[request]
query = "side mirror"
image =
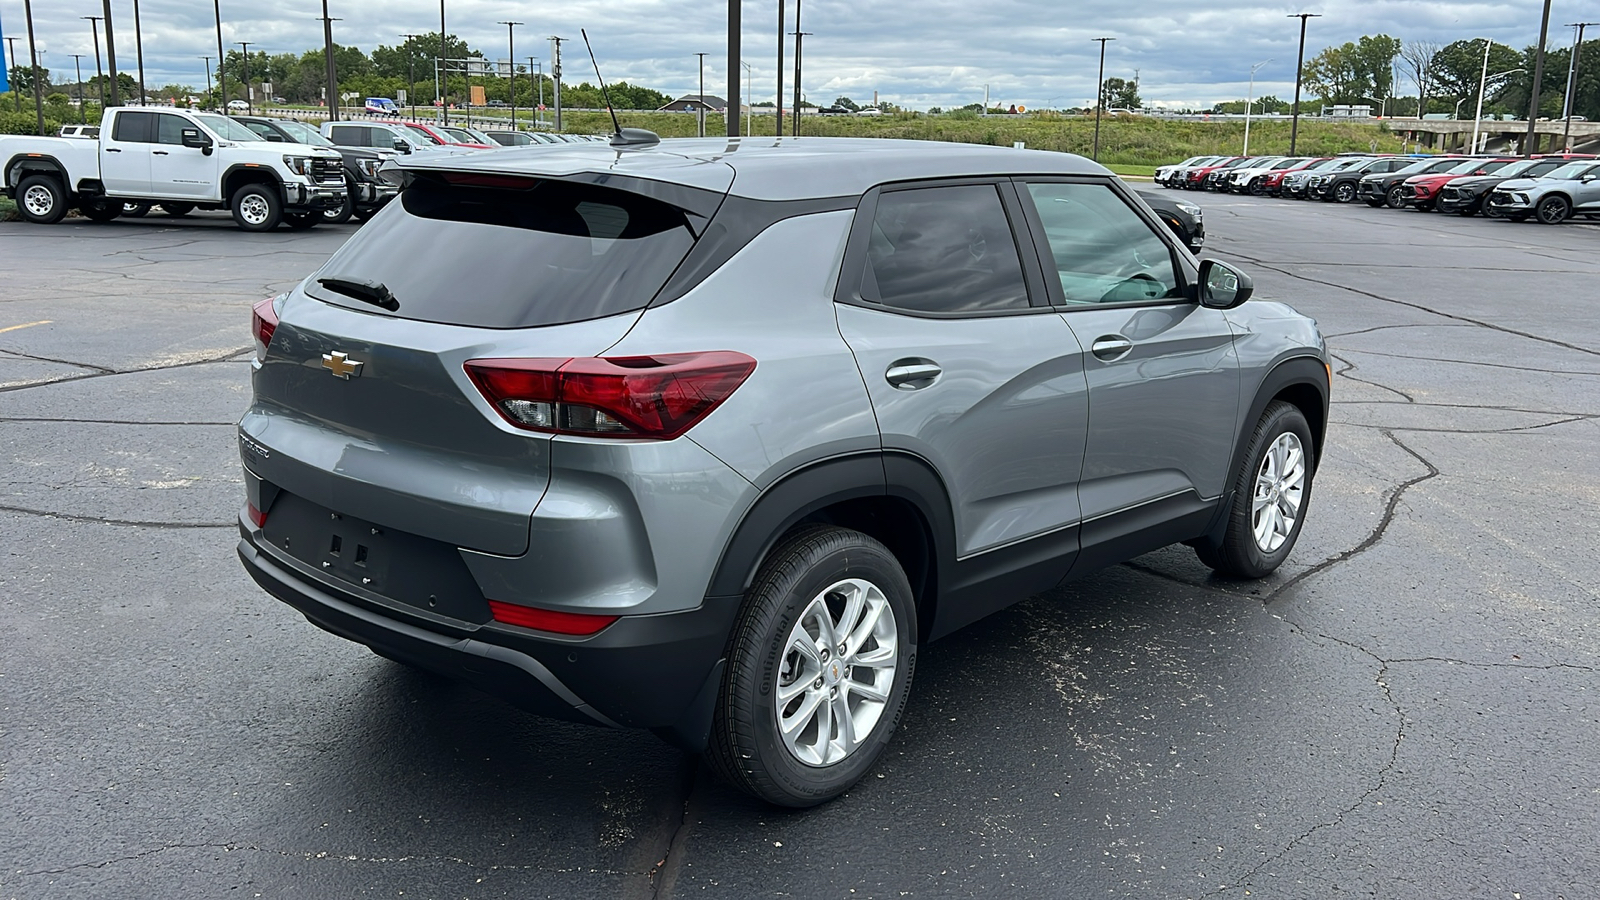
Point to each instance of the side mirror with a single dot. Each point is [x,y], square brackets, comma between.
[193,139]
[402,146]
[277,139]
[1222,286]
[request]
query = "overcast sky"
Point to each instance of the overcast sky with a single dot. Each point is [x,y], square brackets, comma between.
[918,53]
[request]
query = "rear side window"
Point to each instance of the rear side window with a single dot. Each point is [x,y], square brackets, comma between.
[943,250]
[502,252]
[348,135]
[134,127]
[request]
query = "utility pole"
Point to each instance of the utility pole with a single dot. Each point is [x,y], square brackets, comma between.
[99,73]
[1249,99]
[332,67]
[1572,82]
[734,62]
[749,108]
[440,87]
[702,94]
[249,92]
[1099,94]
[77,63]
[1299,71]
[1483,83]
[11,58]
[208,74]
[222,75]
[33,57]
[138,47]
[799,96]
[538,113]
[511,60]
[111,55]
[411,72]
[1538,76]
[555,75]
[778,100]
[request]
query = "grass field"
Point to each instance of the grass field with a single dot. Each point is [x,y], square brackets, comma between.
[1133,143]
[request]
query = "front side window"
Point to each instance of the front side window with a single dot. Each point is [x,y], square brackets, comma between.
[227,128]
[943,250]
[169,129]
[1104,251]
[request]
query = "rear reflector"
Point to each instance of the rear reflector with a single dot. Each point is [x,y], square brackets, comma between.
[263,322]
[257,517]
[658,397]
[548,619]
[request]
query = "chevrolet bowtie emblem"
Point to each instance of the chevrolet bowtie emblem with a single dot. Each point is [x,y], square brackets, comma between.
[341,365]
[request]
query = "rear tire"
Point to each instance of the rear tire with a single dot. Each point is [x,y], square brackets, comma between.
[177,210]
[819,667]
[256,207]
[41,200]
[300,221]
[135,210]
[100,210]
[1271,494]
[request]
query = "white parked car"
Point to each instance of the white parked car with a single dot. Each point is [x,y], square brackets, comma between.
[237,105]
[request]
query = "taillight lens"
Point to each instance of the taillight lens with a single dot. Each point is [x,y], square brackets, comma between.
[257,517]
[263,322]
[656,397]
[555,621]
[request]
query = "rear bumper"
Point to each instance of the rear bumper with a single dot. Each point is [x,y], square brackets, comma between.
[654,671]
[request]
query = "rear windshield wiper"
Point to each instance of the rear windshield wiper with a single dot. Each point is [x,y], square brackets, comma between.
[373,292]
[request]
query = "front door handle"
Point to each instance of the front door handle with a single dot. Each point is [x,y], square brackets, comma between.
[158,153]
[113,149]
[1111,346]
[912,374]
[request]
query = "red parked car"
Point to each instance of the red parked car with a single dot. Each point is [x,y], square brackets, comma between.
[1421,192]
[1273,182]
[443,136]
[1195,179]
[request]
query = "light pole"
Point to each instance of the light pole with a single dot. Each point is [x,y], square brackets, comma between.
[749,109]
[222,76]
[734,62]
[33,57]
[99,73]
[1250,98]
[799,95]
[1483,80]
[411,72]
[511,60]
[1532,140]
[12,58]
[555,76]
[538,115]
[1299,70]
[702,94]
[331,68]
[441,81]
[1456,116]
[249,91]
[208,75]
[1572,82]
[778,123]
[111,55]
[138,48]
[1481,86]
[77,63]
[1099,94]
[1383,105]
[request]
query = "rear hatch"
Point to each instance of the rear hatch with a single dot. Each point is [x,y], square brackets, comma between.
[477,267]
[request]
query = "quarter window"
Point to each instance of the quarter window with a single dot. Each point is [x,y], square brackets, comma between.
[1103,251]
[943,250]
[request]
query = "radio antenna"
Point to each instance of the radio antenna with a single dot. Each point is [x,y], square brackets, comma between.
[623,137]
[601,78]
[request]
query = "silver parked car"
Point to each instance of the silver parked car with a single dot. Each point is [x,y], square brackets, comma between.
[1573,189]
[723,432]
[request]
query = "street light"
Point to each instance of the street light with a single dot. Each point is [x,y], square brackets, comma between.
[330,68]
[249,91]
[411,73]
[222,75]
[1248,101]
[1383,105]
[702,94]
[1299,71]
[208,75]
[511,48]
[77,64]
[799,95]
[1099,94]
[99,73]
[12,58]
[1572,81]
[749,109]
[138,47]
[111,55]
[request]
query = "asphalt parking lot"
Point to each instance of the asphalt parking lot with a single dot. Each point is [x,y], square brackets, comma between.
[1408,709]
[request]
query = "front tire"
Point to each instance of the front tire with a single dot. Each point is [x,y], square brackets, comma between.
[41,200]
[257,207]
[1344,193]
[1271,493]
[100,210]
[819,668]
[1553,210]
[1395,199]
[177,210]
[342,214]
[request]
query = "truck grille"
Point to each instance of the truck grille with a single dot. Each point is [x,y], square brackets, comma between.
[327,171]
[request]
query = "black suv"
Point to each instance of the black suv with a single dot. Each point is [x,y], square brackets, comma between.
[1340,186]
[366,194]
[1382,186]
[1467,196]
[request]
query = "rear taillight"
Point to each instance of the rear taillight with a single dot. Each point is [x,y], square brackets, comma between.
[656,397]
[263,322]
[555,621]
[257,517]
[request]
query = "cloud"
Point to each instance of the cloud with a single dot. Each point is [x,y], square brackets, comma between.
[914,52]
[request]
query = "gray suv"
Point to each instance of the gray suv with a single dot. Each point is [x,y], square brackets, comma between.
[719,432]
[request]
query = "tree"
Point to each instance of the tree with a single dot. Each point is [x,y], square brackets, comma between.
[1118,93]
[1418,56]
[1333,74]
[1374,63]
[846,103]
[1455,71]
[22,78]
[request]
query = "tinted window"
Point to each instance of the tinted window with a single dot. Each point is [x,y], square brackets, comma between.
[348,135]
[264,130]
[1104,252]
[945,249]
[135,127]
[169,129]
[515,253]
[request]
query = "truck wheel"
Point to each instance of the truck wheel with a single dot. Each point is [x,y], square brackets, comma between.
[41,200]
[135,210]
[300,221]
[256,207]
[818,669]
[177,210]
[362,215]
[342,213]
[1271,493]
[101,210]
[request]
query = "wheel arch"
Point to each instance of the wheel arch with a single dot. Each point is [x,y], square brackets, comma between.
[21,165]
[238,175]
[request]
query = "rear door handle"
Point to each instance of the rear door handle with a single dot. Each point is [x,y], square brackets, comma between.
[912,374]
[1111,346]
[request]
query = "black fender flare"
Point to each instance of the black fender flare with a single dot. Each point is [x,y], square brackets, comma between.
[35,162]
[253,175]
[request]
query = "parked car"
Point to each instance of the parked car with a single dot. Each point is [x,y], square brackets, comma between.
[1467,196]
[1341,185]
[1216,179]
[395,136]
[1253,179]
[1573,189]
[1421,192]
[521,138]
[447,137]
[1166,175]
[1379,187]
[178,159]
[1194,178]
[237,106]
[1184,218]
[596,490]
[1295,184]
[365,191]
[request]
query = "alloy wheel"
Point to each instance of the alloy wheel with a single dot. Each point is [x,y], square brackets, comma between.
[1279,490]
[839,666]
[1554,210]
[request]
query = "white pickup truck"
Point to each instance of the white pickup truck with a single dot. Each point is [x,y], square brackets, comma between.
[178,159]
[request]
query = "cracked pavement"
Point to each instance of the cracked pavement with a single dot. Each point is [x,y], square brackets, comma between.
[1408,708]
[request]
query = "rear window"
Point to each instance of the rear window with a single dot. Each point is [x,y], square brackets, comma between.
[500,252]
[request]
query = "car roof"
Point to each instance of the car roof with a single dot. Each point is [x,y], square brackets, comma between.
[774,168]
